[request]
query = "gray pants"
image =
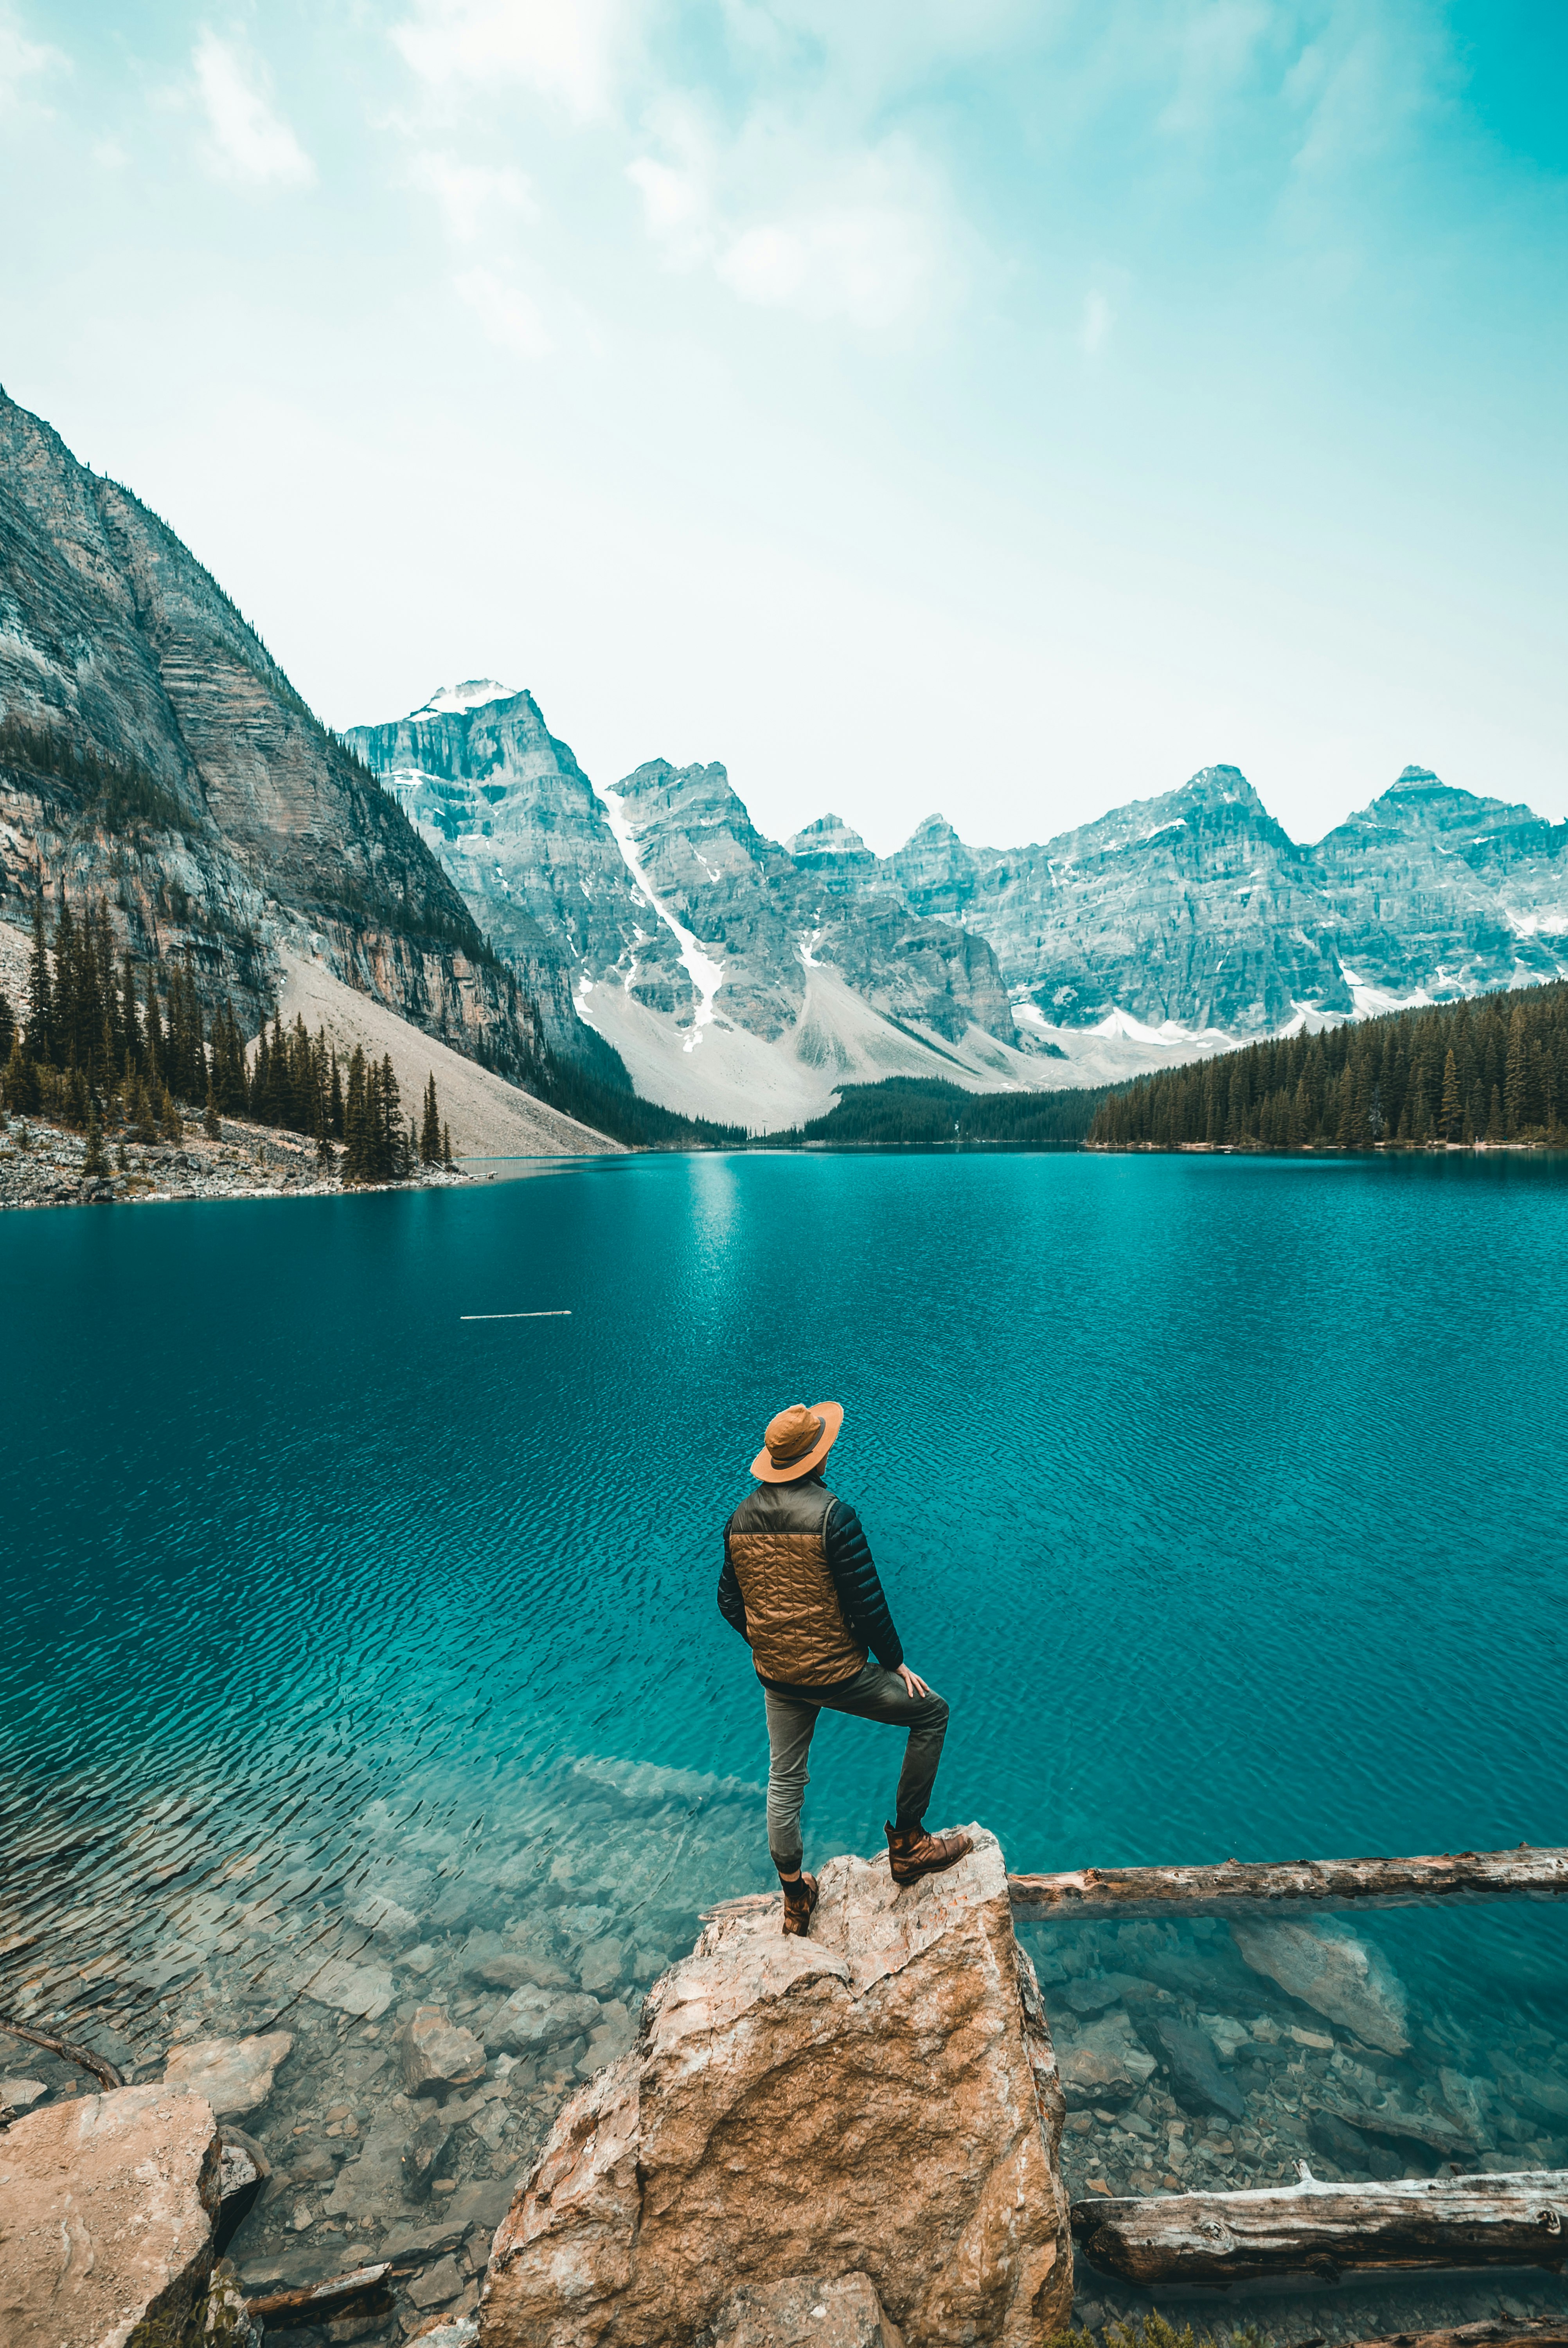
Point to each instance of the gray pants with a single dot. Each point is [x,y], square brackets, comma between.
[872,1694]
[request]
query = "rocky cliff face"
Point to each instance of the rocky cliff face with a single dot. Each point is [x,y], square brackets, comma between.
[151,750]
[729,973]
[1198,908]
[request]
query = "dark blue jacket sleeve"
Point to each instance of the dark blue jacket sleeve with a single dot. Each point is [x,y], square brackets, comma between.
[859,1591]
[731,1605]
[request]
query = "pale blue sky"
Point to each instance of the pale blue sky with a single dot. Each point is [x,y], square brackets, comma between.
[994,408]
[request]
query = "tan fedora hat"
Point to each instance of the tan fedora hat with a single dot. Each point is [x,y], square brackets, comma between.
[796,1441]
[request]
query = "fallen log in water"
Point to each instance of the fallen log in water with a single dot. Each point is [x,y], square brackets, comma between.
[1530,2332]
[1090,1893]
[363,2293]
[1328,2231]
[102,2069]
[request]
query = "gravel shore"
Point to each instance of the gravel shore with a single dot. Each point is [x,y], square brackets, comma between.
[41,1166]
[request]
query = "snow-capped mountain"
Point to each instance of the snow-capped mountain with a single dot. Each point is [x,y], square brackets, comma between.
[731,981]
[743,978]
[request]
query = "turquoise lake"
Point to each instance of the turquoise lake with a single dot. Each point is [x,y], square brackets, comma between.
[1223,1498]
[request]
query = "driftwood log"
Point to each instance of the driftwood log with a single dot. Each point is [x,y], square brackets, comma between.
[1328,2231]
[1092,1894]
[103,2071]
[1530,2332]
[364,2292]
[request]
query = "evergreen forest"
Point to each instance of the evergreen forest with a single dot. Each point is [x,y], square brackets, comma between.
[915,1112]
[111,1045]
[1491,1069]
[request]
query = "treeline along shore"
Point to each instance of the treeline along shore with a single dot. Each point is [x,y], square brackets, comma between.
[125,1051]
[1488,1072]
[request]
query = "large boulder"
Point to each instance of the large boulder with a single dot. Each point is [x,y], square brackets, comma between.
[437,2055]
[878,2098]
[107,2205]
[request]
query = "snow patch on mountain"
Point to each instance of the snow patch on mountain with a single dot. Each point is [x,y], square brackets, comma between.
[453,700]
[706,975]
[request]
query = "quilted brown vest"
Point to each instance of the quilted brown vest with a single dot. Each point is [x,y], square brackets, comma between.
[794,1619]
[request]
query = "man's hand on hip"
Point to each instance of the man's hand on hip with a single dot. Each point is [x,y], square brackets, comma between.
[914,1684]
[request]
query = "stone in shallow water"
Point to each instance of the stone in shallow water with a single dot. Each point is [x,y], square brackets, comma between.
[437,2285]
[437,2055]
[107,2211]
[425,2157]
[235,2075]
[1195,2075]
[880,2095]
[1104,2065]
[805,2311]
[21,2094]
[533,2018]
[1332,1970]
[364,1990]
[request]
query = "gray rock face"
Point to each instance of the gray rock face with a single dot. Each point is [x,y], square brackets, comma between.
[605,883]
[1197,907]
[240,823]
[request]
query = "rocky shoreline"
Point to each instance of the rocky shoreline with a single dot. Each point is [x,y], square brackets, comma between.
[43,1165]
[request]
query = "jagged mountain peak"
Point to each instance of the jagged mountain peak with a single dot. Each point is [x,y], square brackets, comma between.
[828,835]
[457,700]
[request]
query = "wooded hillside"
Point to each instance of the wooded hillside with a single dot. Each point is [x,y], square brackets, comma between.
[1491,1069]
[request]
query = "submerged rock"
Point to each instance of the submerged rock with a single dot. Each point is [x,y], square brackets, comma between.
[1105,2065]
[425,2157]
[879,2097]
[805,2311]
[235,2075]
[532,2019]
[437,2055]
[1195,2074]
[107,2205]
[1330,1969]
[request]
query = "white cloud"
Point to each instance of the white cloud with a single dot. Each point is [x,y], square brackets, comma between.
[468,192]
[1098,319]
[507,316]
[21,59]
[787,220]
[569,50]
[247,142]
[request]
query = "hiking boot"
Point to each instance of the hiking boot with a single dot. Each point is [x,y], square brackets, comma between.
[800,1904]
[912,1853]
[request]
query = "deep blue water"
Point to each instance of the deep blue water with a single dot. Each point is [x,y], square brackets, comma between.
[1223,1498]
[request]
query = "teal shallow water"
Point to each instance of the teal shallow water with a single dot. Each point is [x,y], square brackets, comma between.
[1224,1498]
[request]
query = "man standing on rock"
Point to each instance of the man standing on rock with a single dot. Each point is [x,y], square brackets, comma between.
[800,1587]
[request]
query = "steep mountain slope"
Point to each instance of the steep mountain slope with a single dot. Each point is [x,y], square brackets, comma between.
[729,981]
[1193,916]
[1194,907]
[152,749]
[1439,893]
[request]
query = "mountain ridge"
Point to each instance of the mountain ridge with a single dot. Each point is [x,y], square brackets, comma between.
[1174,926]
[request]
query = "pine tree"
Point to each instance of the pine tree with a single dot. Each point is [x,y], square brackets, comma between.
[40,995]
[1495,1128]
[334,1102]
[21,1080]
[1514,1079]
[1451,1116]
[430,1133]
[446,1157]
[7,1027]
[142,1125]
[169,1126]
[357,1111]
[94,1164]
[210,1125]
